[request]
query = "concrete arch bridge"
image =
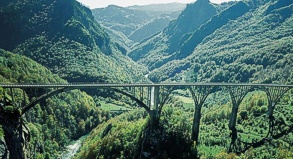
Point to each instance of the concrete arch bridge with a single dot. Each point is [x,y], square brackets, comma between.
[152,97]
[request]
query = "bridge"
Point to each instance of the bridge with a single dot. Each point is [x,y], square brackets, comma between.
[99,85]
[152,97]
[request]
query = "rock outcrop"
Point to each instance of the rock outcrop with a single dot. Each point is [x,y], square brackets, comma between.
[4,153]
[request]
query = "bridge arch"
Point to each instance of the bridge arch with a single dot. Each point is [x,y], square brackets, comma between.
[273,94]
[65,89]
[199,92]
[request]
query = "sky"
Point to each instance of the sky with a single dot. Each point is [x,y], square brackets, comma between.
[124,3]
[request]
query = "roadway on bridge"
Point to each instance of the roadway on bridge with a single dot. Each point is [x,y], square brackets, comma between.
[99,85]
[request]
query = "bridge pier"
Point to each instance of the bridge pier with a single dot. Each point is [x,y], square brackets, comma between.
[24,101]
[12,95]
[274,95]
[149,97]
[237,94]
[154,115]
[199,95]
[141,93]
[156,99]
[160,95]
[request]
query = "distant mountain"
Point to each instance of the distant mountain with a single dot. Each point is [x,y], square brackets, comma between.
[133,24]
[160,8]
[63,36]
[165,44]
[248,41]
[145,31]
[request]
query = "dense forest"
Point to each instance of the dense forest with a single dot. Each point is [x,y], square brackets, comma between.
[240,47]
[58,120]
[62,41]
[64,37]
[56,42]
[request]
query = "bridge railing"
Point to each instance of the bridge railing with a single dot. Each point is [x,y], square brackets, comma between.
[92,84]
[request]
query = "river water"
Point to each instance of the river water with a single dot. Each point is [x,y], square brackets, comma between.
[72,148]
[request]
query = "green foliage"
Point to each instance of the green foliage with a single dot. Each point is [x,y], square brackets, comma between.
[63,36]
[213,24]
[171,38]
[1,132]
[116,138]
[174,133]
[129,136]
[251,47]
[245,42]
[56,121]
[252,126]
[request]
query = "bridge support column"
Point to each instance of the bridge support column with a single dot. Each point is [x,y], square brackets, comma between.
[24,101]
[237,94]
[199,95]
[155,99]
[160,96]
[274,95]
[12,95]
[149,96]
[141,93]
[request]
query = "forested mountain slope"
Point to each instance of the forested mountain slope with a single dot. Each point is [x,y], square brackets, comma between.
[66,44]
[250,41]
[55,122]
[132,24]
[164,46]
[63,36]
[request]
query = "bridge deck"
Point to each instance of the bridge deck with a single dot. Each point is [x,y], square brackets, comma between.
[99,85]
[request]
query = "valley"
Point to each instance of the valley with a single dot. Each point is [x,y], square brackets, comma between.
[231,62]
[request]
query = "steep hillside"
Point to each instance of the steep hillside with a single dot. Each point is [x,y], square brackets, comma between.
[63,36]
[121,19]
[133,24]
[255,47]
[242,42]
[163,47]
[55,122]
[149,29]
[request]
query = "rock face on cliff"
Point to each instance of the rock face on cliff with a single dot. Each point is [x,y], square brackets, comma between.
[4,153]
[15,139]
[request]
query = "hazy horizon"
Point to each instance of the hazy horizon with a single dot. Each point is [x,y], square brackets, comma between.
[101,3]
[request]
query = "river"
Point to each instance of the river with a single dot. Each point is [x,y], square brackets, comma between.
[72,148]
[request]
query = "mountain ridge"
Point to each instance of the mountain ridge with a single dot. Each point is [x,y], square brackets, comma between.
[191,18]
[64,37]
[244,39]
[128,24]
